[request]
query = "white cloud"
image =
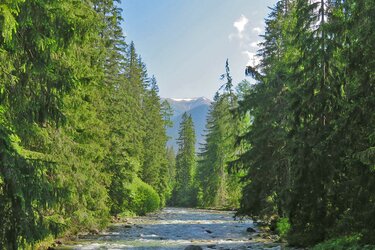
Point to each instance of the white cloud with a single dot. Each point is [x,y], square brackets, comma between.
[253,58]
[255,44]
[257,30]
[240,24]
[247,34]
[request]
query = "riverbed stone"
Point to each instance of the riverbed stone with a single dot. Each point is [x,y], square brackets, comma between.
[94,231]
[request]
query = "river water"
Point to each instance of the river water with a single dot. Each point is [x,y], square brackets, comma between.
[177,228]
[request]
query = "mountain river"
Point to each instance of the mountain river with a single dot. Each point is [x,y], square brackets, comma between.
[178,228]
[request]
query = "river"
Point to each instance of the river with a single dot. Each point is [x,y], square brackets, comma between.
[177,228]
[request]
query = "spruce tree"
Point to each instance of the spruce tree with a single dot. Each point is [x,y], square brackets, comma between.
[171,173]
[184,193]
[219,187]
[44,48]
[315,104]
[355,191]
[299,164]
[264,158]
[154,167]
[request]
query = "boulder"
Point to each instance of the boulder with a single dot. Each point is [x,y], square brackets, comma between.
[251,230]
[58,242]
[94,232]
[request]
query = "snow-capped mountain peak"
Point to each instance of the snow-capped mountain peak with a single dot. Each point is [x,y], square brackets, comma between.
[182,100]
[189,99]
[197,107]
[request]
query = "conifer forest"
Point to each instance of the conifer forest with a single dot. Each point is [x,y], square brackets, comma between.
[83,139]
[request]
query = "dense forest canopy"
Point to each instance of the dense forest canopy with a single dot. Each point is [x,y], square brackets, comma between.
[82,126]
[310,161]
[83,129]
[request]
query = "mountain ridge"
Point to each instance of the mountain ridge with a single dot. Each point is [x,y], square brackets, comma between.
[198,108]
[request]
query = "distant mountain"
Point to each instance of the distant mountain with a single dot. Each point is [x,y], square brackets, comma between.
[197,108]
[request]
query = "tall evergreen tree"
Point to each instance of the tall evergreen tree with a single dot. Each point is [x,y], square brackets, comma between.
[265,160]
[184,191]
[355,178]
[171,173]
[71,106]
[315,99]
[47,42]
[123,90]
[154,167]
[299,164]
[219,188]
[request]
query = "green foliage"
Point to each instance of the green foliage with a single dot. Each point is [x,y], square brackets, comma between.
[283,227]
[8,13]
[27,192]
[154,168]
[219,188]
[72,121]
[82,129]
[309,155]
[144,199]
[343,243]
[171,173]
[185,192]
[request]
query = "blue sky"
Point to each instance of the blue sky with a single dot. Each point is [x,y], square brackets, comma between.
[185,43]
